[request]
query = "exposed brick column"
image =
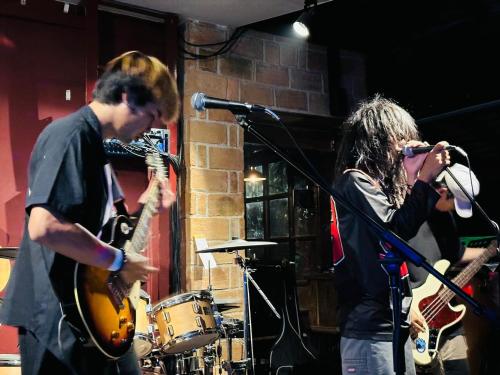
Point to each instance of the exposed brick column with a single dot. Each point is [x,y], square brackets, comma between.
[281,73]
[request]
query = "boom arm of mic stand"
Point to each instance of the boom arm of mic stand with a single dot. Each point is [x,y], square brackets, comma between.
[401,246]
[262,294]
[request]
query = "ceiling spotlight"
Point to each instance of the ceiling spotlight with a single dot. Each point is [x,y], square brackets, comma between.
[303,22]
[253,175]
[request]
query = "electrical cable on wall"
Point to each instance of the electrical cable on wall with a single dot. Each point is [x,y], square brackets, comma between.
[226,46]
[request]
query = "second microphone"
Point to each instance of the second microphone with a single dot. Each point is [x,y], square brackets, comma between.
[201,102]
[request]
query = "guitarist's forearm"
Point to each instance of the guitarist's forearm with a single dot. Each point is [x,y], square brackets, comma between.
[471,253]
[68,239]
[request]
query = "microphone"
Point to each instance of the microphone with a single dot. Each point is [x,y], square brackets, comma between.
[200,102]
[412,151]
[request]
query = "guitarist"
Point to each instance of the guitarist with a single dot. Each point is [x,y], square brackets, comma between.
[68,200]
[438,239]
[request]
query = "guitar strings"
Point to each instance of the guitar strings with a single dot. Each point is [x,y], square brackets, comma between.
[445,294]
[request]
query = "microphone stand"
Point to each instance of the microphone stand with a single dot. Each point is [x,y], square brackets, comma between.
[401,247]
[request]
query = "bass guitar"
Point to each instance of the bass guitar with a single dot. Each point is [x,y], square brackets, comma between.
[432,299]
[105,303]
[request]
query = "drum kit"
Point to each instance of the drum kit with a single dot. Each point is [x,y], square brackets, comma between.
[188,328]
[189,332]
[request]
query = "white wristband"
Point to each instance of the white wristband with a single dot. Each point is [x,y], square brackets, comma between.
[117,262]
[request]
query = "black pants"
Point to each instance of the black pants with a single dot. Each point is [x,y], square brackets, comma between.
[37,359]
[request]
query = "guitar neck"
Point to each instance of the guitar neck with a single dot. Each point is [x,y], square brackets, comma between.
[467,273]
[140,236]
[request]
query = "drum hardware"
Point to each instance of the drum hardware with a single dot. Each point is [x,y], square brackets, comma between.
[237,244]
[232,246]
[247,331]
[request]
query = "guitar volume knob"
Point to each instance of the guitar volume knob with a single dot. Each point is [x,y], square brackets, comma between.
[130,326]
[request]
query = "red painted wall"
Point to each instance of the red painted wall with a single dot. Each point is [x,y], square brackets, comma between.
[43,53]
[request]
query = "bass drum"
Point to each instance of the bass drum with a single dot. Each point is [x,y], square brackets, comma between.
[230,357]
[185,322]
[10,364]
[143,338]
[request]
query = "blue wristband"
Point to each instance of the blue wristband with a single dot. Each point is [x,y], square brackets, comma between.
[118,262]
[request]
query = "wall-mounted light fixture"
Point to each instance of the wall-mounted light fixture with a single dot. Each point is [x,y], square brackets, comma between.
[253,175]
[303,22]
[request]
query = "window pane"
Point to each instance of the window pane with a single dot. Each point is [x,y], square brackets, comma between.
[277,178]
[278,217]
[304,211]
[254,189]
[255,220]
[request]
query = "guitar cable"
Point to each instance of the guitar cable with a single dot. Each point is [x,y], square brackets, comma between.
[59,327]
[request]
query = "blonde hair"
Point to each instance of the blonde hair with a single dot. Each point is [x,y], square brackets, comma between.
[155,75]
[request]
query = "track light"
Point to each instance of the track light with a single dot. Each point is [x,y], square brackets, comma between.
[253,175]
[303,22]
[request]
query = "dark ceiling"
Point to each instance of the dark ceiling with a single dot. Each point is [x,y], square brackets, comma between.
[437,58]
[433,56]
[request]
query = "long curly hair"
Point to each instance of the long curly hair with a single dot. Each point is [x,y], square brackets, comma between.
[368,144]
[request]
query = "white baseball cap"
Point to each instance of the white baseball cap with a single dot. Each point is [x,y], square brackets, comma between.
[463,206]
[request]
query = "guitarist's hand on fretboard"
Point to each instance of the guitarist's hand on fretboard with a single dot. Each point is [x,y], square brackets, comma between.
[167,197]
[137,267]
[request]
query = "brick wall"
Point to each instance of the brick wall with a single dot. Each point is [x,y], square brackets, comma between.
[280,73]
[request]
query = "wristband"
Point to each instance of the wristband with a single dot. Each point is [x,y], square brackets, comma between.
[119,261]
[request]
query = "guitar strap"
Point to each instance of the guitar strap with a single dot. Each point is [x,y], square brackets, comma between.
[109,204]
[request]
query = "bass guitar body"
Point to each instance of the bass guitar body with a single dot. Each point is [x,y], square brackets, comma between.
[441,315]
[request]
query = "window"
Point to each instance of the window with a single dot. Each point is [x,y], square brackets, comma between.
[283,208]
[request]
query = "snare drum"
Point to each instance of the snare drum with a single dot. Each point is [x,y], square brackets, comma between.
[143,338]
[185,322]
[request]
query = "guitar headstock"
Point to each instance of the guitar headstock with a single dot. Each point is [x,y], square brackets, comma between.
[155,161]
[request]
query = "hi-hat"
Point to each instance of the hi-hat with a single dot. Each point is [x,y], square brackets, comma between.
[235,245]
[8,252]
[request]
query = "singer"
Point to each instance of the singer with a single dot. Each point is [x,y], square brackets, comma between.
[373,175]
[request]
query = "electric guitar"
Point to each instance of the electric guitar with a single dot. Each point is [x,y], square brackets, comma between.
[106,304]
[432,299]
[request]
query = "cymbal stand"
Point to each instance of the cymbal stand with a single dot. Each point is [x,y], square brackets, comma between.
[247,330]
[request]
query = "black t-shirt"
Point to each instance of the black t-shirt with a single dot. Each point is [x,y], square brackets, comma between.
[66,176]
[437,239]
[362,284]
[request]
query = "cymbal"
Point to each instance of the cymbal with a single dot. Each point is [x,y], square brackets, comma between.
[235,245]
[8,252]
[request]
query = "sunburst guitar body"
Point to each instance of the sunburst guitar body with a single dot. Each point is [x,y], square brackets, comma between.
[106,305]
